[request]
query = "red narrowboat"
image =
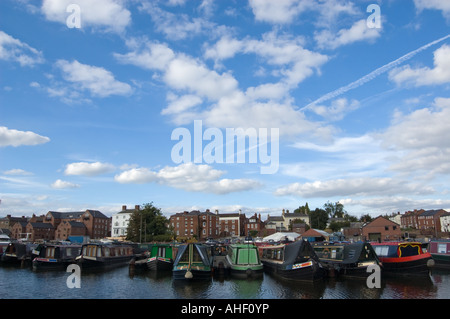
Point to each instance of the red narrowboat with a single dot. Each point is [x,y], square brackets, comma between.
[403,258]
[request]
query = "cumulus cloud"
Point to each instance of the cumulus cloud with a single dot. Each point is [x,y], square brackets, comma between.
[59,184]
[12,49]
[11,137]
[99,81]
[357,32]
[189,177]
[107,15]
[440,74]
[443,6]
[88,169]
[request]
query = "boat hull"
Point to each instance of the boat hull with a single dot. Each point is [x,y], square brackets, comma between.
[93,263]
[309,271]
[441,261]
[249,272]
[414,265]
[191,275]
[49,264]
[159,264]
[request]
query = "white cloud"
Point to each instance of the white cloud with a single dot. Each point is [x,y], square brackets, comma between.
[278,12]
[12,49]
[11,137]
[89,169]
[189,177]
[440,74]
[444,6]
[337,110]
[17,172]
[352,187]
[97,80]
[59,184]
[357,32]
[108,15]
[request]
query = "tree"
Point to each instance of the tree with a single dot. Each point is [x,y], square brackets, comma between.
[334,210]
[303,209]
[318,218]
[146,224]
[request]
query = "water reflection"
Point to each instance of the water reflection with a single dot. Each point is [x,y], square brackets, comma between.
[123,283]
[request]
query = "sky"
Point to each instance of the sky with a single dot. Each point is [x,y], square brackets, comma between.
[124,102]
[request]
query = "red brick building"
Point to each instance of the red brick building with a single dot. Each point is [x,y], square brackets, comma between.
[195,224]
[410,219]
[253,225]
[430,221]
[40,231]
[381,229]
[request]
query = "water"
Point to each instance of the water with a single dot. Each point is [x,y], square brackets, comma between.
[119,283]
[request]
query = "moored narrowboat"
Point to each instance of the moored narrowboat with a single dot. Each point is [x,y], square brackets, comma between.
[295,261]
[4,242]
[347,259]
[440,252]
[160,257]
[244,261]
[104,255]
[403,258]
[18,252]
[193,262]
[55,256]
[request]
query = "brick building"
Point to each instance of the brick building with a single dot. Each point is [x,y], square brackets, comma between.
[254,225]
[96,223]
[40,231]
[410,218]
[195,224]
[430,221]
[381,229]
[232,224]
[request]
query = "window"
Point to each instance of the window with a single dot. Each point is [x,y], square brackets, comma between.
[386,227]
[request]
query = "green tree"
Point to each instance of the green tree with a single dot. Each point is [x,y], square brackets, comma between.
[318,218]
[146,224]
[303,210]
[334,210]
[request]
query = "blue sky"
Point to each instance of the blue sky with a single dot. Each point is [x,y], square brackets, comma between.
[87,114]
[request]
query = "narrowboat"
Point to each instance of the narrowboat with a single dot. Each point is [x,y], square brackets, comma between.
[4,242]
[193,262]
[104,255]
[55,256]
[244,261]
[403,258]
[440,252]
[347,259]
[295,261]
[160,257]
[18,252]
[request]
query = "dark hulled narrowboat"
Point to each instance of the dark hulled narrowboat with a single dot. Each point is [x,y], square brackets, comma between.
[160,257]
[295,261]
[105,255]
[347,259]
[440,252]
[403,258]
[55,256]
[18,252]
[193,262]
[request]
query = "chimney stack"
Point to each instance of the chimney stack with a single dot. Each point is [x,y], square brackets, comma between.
[137,207]
[124,207]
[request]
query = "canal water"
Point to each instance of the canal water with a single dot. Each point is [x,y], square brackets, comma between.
[121,283]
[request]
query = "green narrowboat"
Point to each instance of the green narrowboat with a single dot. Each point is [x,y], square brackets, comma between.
[161,257]
[440,252]
[193,262]
[244,262]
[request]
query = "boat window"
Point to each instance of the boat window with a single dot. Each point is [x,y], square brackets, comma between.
[185,256]
[106,252]
[162,252]
[382,251]
[329,252]
[50,253]
[442,248]
[196,255]
[99,251]
[409,250]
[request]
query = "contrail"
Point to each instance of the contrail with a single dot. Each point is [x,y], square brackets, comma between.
[372,75]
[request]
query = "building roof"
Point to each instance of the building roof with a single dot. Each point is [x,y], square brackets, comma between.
[42,225]
[76,224]
[315,233]
[432,212]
